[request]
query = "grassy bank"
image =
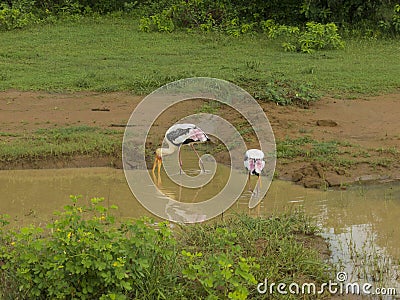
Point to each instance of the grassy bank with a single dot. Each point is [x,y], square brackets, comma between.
[87,253]
[111,54]
[59,143]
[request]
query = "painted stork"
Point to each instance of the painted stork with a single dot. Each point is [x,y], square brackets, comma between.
[176,136]
[254,163]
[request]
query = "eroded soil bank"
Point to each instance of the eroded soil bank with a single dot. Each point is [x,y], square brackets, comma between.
[337,141]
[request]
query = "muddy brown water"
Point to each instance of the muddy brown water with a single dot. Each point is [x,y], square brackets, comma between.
[361,223]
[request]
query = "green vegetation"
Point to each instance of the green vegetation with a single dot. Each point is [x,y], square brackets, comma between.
[86,253]
[60,142]
[307,147]
[111,54]
[124,45]
[231,16]
[98,45]
[281,90]
[315,36]
[334,153]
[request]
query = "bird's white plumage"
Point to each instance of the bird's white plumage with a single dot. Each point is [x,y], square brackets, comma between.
[176,136]
[254,160]
[254,163]
[180,133]
[255,154]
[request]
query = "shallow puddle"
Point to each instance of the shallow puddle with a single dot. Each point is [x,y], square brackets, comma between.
[360,223]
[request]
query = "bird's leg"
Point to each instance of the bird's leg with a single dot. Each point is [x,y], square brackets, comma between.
[180,160]
[248,182]
[201,162]
[157,180]
[258,209]
[154,164]
[258,191]
[159,168]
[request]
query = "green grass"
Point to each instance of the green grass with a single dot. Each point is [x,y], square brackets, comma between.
[209,107]
[61,142]
[111,54]
[308,149]
[333,152]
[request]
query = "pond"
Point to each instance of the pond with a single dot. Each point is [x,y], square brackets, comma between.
[361,223]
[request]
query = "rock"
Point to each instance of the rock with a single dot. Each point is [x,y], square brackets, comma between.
[365,178]
[326,123]
[313,182]
[297,176]
[334,179]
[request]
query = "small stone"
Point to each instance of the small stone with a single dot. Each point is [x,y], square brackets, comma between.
[365,178]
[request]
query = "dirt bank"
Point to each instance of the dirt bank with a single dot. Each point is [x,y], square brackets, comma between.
[365,133]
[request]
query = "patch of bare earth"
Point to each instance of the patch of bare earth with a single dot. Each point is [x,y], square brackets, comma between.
[367,131]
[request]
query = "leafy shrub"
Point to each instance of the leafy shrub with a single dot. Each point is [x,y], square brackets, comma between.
[197,14]
[342,11]
[281,90]
[161,22]
[392,25]
[396,18]
[87,256]
[315,36]
[222,259]
[287,92]
[225,273]
[318,36]
[13,18]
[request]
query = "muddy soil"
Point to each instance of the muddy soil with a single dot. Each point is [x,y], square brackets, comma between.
[368,130]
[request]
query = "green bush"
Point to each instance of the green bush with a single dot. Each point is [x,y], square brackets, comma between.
[196,14]
[161,22]
[343,11]
[85,255]
[318,36]
[315,36]
[13,18]
[281,90]
[224,274]
[392,25]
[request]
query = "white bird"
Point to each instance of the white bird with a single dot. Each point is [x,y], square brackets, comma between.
[254,163]
[176,136]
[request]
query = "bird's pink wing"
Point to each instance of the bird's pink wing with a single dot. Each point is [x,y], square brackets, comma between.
[197,135]
[251,164]
[259,165]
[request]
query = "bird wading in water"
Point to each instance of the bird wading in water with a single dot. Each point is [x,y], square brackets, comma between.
[254,163]
[176,136]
